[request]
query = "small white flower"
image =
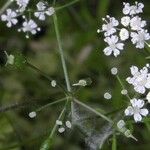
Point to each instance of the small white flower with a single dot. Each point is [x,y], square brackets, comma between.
[126,9]
[148,97]
[32,114]
[107,95]
[133,9]
[114,71]
[137,23]
[124,34]
[30,26]
[42,10]
[10,17]
[109,27]
[136,109]
[68,124]
[22,4]
[140,38]
[10,58]
[114,46]
[140,79]
[125,21]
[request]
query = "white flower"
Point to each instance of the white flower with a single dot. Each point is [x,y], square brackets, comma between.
[30,26]
[133,9]
[136,109]
[140,38]
[109,27]
[42,10]
[137,23]
[10,58]
[124,34]
[22,4]
[126,9]
[80,83]
[114,47]
[10,17]
[53,83]
[140,79]
[125,21]
[148,97]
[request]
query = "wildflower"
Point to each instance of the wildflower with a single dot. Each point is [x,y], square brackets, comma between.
[137,23]
[22,4]
[10,17]
[32,114]
[42,10]
[107,95]
[109,27]
[136,109]
[124,34]
[114,71]
[140,38]
[140,79]
[114,46]
[125,21]
[29,26]
[133,9]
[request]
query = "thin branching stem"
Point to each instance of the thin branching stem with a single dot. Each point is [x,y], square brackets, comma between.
[5,6]
[45,76]
[61,53]
[93,110]
[66,5]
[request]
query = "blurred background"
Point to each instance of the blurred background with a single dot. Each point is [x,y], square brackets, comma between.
[28,90]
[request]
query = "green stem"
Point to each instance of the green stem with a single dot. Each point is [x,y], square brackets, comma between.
[61,53]
[93,110]
[67,5]
[114,142]
[123,87]
[45,76]
[6,5]
[47,144]
[50,104]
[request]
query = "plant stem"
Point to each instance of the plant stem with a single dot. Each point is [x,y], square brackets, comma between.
[66,5]
[47,144]
[50,104]
[93,110]
[123,87]
[61,53]
[45,76]
[114,142]
[5,6]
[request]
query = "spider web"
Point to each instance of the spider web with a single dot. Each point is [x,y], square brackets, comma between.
[95,128]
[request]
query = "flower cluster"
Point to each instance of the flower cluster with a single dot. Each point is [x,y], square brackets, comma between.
[140,79]
[133,27]
[28,25]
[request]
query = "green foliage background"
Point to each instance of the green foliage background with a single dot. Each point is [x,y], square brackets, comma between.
[84,56]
